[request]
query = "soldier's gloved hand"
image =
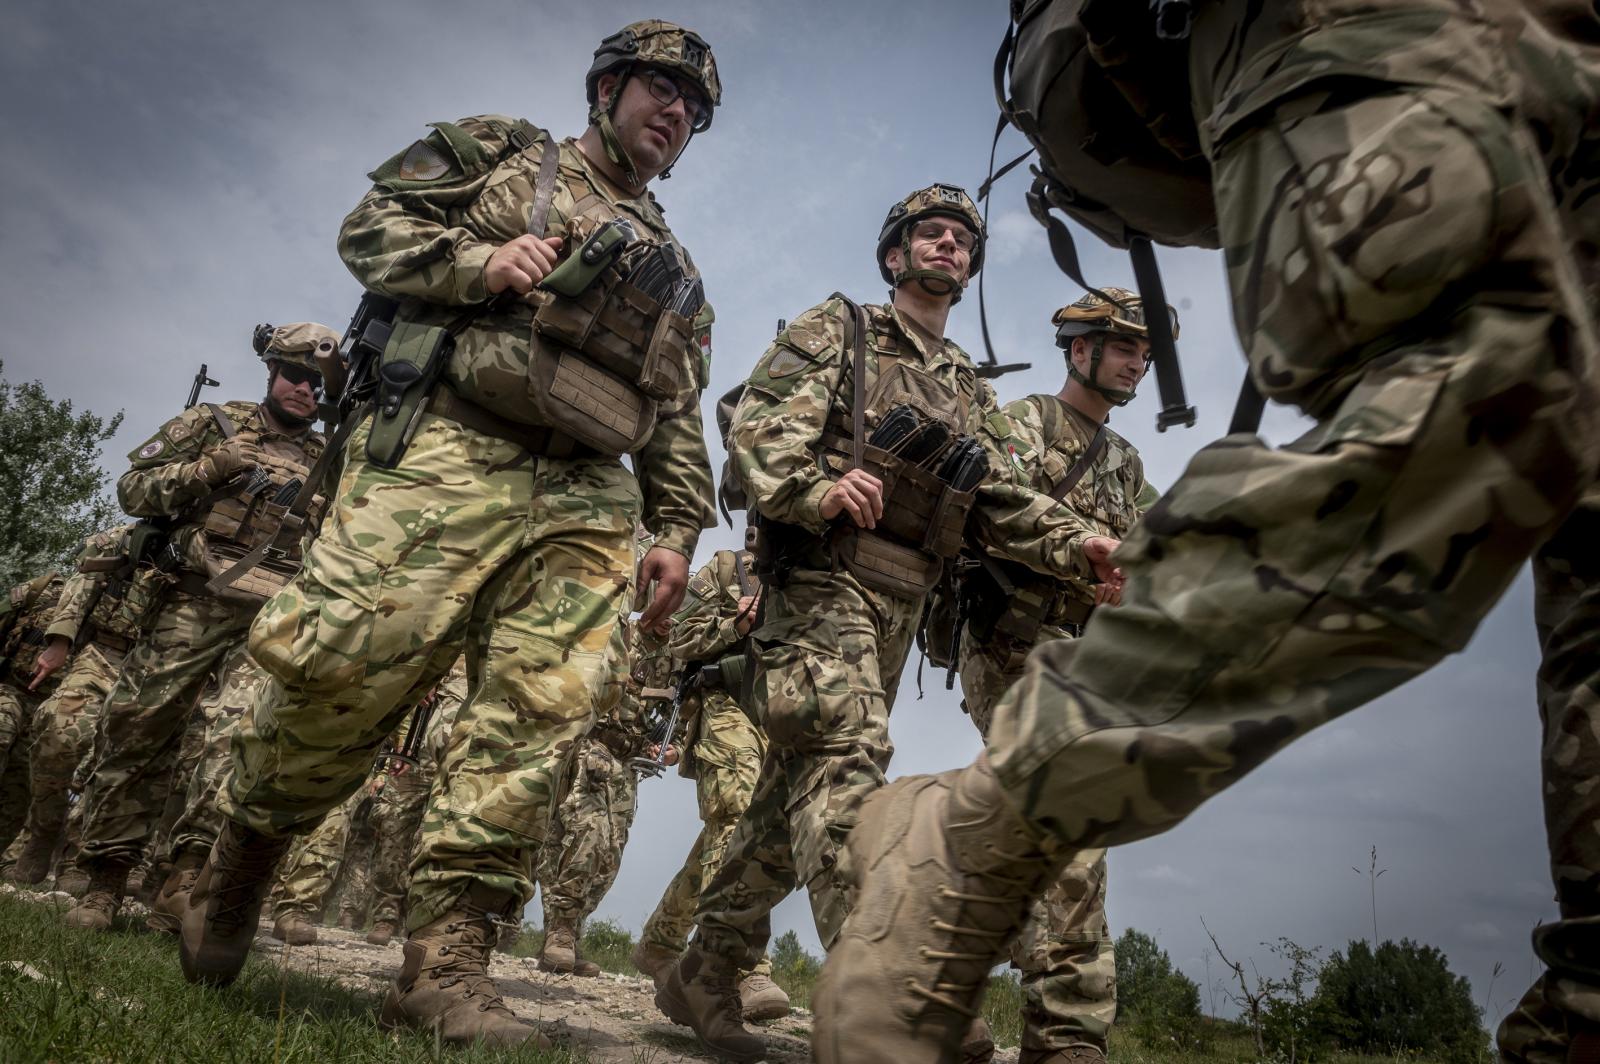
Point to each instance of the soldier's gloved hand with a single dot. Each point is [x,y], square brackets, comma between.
[228,458]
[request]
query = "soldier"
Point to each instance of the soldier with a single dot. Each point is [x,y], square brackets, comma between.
[723,750]
[222,478]
[1412,248]
[499,518]
[845,400]
[102,609]
[395,818]
[589,827]
[26,616]
[1064,447]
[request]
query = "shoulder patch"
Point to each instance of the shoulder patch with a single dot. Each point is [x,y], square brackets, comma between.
[785,362]
[422,163]
[151,449]
[179,431]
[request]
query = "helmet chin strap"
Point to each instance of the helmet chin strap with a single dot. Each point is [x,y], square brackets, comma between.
[601,117]
[933,282]
[1116,396]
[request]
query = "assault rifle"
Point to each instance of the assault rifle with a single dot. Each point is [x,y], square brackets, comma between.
[655,766]
[409,752]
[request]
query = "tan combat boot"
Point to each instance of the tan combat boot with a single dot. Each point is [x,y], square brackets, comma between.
[444,985]
[100,901]
[349,920]
[654,961]
[219,926]
[560,950]
[977,1046]
[292,928]
[586,969]
[72,880]
[701,992]
[382,931]
[947,870]
[33,864]
[172,900]
[762,999]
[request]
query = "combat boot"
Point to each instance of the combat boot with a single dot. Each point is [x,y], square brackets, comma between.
[762,999]
[72,880]
[947,870]
[654,961]
[219,926]
[100,902]
[33,864]
[1070,1055]
[701,991]
[382,931]
[293,929]
[444,985]
[349,920]
[560,950]
[586,969]
[977,1047]
[172,900]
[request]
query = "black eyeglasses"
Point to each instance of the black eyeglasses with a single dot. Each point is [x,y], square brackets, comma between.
[665,88]
[298,375]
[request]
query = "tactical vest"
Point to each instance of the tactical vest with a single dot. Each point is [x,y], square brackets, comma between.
[29,608]
[599,364]
[127,599]
[923,517]
[250,513]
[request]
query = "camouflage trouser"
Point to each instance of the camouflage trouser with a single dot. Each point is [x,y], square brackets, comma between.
[146,714]
[727,753]
[583,851]
[190,749]
[17,708]
[1402,264]
[307,874]
[196,829]
[828,661]
[62,733]
[525,561]
[396,818]
[351,894]
[1065,955]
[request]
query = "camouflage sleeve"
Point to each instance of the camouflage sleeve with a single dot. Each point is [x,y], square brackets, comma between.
[73,609]
[403,238]
[674,472]
[1014,520]
[165,474]
[781,416]
[1147,494]
[703,627]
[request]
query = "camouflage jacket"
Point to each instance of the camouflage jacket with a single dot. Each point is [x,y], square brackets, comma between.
[704,628]
[105,602]
[1040,439]
[779,424]
[165,481]
[27,611]
[424,234]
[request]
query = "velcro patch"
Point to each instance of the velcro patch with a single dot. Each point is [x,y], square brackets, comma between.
[151,449]
[422,163]
[784,363]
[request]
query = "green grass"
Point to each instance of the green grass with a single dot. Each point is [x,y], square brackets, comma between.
[119,996]
[604,941]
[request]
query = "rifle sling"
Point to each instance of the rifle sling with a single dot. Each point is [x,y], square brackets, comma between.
[1091,454]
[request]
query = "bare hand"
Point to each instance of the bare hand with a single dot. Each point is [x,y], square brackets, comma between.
[663,576]
[51,658]
[857,493]
[1097,550]
[1107,595]
[745,618]
[520,264]
[671,757]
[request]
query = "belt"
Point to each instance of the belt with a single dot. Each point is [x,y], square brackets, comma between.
[112,643]
[535,439]
[1070,613]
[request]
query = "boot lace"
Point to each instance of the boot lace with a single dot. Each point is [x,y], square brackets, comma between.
[986,945]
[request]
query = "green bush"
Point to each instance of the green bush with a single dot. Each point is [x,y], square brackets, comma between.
[1403,999]
[794,969]
[1156,1000]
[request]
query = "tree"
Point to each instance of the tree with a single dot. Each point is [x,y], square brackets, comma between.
[1158,1001]
[1402,999]
[52,489]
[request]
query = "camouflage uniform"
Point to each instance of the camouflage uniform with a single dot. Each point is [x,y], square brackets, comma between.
[589,828]
[100,614]
[1405,195]
[309,871]
[481,540]
[28,609]
[1065,952]
[147,712]
[829,651]
[395,818]
[723,747]
[239,680]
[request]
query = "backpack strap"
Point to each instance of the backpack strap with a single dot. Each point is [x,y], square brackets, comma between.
[855,339]
[225,423]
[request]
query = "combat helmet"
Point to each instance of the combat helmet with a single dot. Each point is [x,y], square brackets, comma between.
[299,343]
[1100,313]
[652,42]
[950,201]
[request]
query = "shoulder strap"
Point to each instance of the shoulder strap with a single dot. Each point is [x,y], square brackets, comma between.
[1091,454]
[225,423]
[746,587]
[855,338]
[544,188]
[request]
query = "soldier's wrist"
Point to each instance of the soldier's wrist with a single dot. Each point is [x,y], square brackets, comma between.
[470,285]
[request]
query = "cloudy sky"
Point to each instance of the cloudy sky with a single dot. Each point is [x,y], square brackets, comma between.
[176,172]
